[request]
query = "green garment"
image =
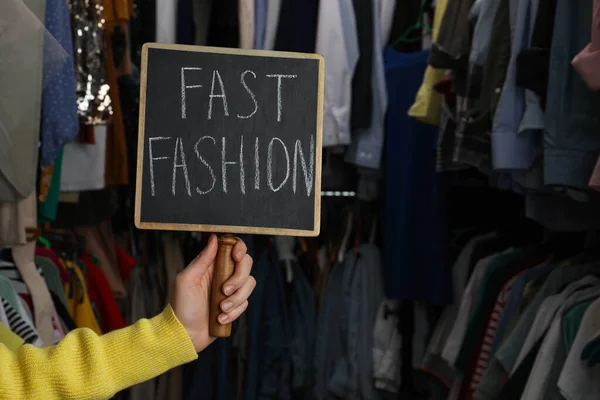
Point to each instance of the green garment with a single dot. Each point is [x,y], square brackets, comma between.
[47,209]
[570,323]
[52,277]
[7,291]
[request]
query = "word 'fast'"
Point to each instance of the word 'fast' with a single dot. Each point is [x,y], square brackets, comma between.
[219,93]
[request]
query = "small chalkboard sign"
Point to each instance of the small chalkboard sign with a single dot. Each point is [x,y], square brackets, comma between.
[229,140]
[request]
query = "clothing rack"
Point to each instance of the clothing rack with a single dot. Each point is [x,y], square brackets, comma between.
[337,193]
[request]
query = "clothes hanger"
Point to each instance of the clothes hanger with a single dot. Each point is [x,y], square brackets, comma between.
[417,27]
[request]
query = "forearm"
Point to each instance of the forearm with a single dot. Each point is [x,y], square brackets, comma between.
[87,366]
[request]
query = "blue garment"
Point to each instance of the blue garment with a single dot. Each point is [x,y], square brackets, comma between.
[60,123]
[260,23]
[297,27]
[269,372]
[331,335]
[260,272]
[571,140]
[364,295]
[482,32]
[366,149]
[303,319]
[344,347]
[209,376]
[275,360]
[206,377]
[413,265]
[512,149]
[186,29]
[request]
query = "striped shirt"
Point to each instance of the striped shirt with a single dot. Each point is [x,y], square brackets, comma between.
[485,354]
[19,325]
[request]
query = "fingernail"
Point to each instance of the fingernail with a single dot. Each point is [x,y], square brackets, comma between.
[229,289]
[223,318]
[227,306]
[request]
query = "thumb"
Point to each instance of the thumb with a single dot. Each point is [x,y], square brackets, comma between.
[205,259]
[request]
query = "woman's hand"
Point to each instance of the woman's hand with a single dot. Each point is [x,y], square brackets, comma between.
[190,295]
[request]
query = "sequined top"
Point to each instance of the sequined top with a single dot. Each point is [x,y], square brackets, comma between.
[93,101]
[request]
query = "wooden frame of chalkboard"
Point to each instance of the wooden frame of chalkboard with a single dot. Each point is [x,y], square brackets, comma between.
[230,228]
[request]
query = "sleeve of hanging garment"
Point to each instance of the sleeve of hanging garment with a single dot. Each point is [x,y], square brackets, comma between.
[87,366]
[337,41]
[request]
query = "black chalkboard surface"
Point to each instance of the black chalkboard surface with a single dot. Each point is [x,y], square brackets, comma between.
[229,140]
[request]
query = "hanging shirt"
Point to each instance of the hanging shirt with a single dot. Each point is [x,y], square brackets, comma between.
[549,308]
[587,62]
[18,324]
[387,18]
[166,21]
[60,123]
[367,145]
[21,88]
[362,85]
[512,149]
[571,142]
[83,165]
[260,15]
[505,359]
[337,41]
[202,12]
[546,369]
[456,336]
[297,28]
[247,23]
[273,11]
[26,304]
[185,22]
[577,381]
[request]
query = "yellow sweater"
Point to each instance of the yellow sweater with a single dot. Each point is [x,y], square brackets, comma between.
[87,366]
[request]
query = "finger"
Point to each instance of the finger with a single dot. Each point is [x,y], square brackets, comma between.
[204,260]
[227,318]
[240,296]
[239,250]
[239,277]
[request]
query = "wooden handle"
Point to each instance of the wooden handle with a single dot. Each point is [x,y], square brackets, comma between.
[224,266]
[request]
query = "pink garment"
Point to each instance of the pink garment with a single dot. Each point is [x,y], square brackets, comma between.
[595,179]
[587,62]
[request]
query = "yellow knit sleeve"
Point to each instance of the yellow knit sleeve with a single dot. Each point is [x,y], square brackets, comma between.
[87,366]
